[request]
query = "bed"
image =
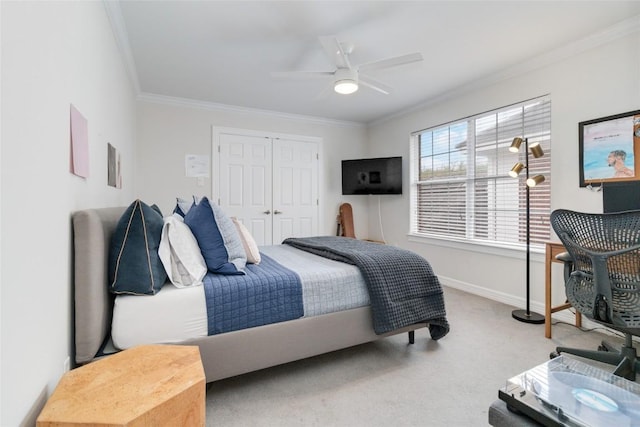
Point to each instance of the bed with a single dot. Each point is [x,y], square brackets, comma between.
[323,327]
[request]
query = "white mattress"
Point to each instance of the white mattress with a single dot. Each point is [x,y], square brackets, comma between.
[176,314]
[172,315]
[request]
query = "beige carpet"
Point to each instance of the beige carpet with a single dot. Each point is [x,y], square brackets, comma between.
[450,382]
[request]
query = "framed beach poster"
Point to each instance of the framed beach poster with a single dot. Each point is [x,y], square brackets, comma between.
[609,149]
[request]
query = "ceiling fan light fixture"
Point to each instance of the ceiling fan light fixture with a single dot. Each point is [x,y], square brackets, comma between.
[346,81]
[345,87]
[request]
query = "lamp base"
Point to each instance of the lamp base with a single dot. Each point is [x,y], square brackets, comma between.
[530,317]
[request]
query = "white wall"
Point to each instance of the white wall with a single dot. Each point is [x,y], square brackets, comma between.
[58,53]
[53,54]
[599,82]
[168,131]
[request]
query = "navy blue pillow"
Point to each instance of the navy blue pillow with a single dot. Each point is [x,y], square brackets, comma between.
[134,265]
[217,237]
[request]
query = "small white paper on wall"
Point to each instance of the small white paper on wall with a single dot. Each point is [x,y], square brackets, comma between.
[196,165]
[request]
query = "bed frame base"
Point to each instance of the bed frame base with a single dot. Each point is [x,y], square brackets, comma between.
[247,350]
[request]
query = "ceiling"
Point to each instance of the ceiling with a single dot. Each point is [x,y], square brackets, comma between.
[222,53]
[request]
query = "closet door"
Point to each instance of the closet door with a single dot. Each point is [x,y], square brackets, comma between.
[270,183]
[295,189]
[245,173]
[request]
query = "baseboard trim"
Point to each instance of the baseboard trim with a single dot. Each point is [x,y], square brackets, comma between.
[517,302]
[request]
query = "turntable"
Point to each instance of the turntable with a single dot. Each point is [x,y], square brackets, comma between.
[567,392]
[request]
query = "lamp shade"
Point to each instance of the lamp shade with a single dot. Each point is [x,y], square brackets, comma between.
[515,145]
[516,169]
[536,150]
[532,182]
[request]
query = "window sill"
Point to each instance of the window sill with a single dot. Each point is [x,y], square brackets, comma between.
[515,251]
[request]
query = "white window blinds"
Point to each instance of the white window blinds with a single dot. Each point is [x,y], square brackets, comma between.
[460,183]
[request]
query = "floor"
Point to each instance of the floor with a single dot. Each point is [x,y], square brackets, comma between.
[450,382]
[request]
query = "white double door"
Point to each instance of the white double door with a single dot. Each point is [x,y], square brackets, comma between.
[270,184]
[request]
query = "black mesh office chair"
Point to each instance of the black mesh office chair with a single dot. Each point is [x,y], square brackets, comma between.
[605,282]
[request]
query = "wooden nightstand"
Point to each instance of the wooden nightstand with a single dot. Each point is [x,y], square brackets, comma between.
[150,385]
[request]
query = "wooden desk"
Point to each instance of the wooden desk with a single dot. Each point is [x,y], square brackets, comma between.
[149,385]
[552,249]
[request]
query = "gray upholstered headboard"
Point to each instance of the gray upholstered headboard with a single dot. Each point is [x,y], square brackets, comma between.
[92,229]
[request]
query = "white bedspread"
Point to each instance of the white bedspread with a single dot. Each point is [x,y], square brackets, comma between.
[177,314]
[327,285]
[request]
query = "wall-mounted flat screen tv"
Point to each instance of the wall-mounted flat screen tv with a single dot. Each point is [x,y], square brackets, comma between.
[372,176]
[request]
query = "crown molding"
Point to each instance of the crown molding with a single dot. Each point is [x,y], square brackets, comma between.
[114,13]
[619,30]
[212,106]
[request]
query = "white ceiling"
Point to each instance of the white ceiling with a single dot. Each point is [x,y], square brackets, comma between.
[223,52]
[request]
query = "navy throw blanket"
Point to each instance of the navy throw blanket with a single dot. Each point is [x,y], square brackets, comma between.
[402,286]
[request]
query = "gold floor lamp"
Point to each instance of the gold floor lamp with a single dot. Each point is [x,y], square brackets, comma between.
[536,151]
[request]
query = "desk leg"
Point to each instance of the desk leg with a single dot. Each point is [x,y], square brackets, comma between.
[547,292]
[578,319]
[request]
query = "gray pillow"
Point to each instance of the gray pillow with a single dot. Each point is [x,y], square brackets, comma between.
[183,206]
[134,265]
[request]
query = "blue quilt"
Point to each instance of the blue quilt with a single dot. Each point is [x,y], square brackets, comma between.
[268,293]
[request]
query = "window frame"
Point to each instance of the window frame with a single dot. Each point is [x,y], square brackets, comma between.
[499,181]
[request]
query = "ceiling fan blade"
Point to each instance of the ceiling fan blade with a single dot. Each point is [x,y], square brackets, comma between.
[335,51]
[301,75]
[325,93]
[374,84]
[392,62]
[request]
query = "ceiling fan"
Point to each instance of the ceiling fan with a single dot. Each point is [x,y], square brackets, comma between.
[347,77]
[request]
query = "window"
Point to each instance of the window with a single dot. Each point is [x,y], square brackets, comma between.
[460,184]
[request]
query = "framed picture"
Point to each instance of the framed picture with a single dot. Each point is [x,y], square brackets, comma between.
[114,177]
[610,149]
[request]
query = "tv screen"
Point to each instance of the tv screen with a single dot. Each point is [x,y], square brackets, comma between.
[372,176]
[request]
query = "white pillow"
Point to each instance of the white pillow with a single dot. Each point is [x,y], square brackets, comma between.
[180,253]
[248,242]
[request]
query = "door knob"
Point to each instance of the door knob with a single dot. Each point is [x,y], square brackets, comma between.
[276,212]
[267,212]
